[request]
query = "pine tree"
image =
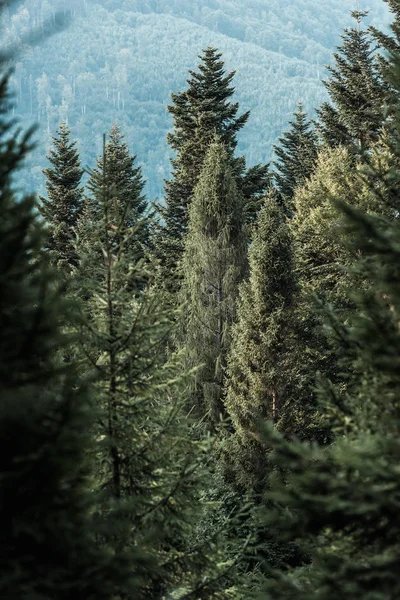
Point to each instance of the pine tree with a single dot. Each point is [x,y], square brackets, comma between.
[261,376]
[199,113]
[48,534]
[214,262]
[297,155]
[62,208]
[390,43]
[125,183]
[354,117]
[341,501]
[146,456]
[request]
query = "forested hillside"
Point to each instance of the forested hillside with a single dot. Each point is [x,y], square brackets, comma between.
[120,60]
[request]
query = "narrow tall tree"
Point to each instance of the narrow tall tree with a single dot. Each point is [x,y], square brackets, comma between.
[48,534]
[297,155]
[146,457]
[61,209]
[261,375]
[199,113]
[214,262]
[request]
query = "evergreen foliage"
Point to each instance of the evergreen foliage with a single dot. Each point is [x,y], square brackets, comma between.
[62,208]
[125,183]
[297,155]
[147,456]
[354,116]
[201,112]
[47,539]
[214,262]
[342,500]
[261,377]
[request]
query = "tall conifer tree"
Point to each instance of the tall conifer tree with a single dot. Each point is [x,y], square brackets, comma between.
[146,457]
[62,207]
[261,368]
[297,155]
[199,113]
[48,534]
[214,262]
[354,116]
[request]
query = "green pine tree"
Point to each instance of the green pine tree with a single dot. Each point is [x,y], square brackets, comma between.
[214,262]
[261,377]
[148,457]
[48,531]
[341,500]
[199,113]
[355,114]
[297,156]
[61,209]
[125,183]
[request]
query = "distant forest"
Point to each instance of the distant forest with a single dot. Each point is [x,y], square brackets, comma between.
[120,61]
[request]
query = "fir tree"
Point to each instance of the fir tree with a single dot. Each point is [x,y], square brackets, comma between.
[213,264]
[125,183]
[390,43]
[62,208]
[146,457]
[48,533]
[199,113]
[341,500]
[354,116]
[297,155]
[260,373]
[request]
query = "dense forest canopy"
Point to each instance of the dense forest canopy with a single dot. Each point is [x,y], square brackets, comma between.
[119,61]
[199,395]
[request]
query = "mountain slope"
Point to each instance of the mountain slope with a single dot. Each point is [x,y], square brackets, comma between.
[120,59]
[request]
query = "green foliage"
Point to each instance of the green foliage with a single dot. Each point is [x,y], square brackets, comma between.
[200,113]
[341,500]
[357,93]
[297,155]
[214,262]
[147,456]
[62,207]
[261,373]
[47,539]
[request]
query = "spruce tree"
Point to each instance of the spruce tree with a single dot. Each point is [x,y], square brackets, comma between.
[146,457]
[214,262]
[199,113]
[389,43]
[125,183]
[48,531]
[62,207]
[357,93]
[297,155]
[261,376]
[341,501]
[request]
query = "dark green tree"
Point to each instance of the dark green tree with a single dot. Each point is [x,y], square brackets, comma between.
[297,155]
[199,113]
[390,43]
[214,263]
[125,183]
[147,456]
[260,374]
[341,500]
[62,207]
[48,531]
[354,115]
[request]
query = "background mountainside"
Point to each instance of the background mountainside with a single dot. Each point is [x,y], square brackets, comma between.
[120,59]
